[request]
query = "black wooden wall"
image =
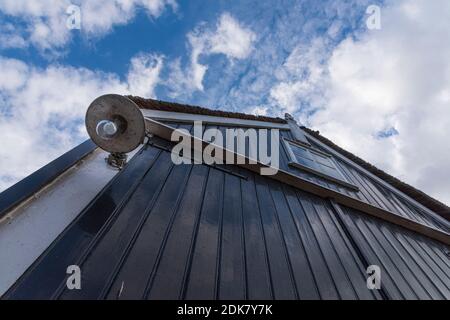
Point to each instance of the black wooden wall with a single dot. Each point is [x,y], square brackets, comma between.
[160,231]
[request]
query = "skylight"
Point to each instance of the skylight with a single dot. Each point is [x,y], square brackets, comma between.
[315,161]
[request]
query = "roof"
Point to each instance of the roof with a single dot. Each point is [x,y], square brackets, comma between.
[183,108]
[421,197]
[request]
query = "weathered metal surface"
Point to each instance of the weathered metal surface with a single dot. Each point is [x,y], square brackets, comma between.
[126,119]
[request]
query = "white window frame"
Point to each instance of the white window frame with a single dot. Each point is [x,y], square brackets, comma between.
[293,162]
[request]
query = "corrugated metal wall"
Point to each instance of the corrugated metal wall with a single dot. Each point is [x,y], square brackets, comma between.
[161,231]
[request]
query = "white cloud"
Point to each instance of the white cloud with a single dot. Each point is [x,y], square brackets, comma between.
[302,79]
[144,74]
[45,20]
[397,77]
[10,39]
[197,71]
[42,112]
[117,12]
[228,37]
[231,38]
[258,111]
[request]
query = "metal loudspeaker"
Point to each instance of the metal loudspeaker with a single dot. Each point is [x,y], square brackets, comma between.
[115,124]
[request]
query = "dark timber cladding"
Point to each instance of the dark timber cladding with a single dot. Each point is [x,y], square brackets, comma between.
[160,231]
[424,199]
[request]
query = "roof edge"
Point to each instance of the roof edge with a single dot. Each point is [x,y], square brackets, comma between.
[25,188]
[184,108]
[165,132]
[421,197]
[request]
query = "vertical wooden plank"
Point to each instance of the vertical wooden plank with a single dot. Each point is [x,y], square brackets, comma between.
[300,208]
[104,258]
[201,282]
[344,266]
[430,270]
[48,273]
[328,249]
[352,258]
[168,280]
[389,282]
[232,267]
[258,273]
[438,266]
[414,264]
[280,269]
[132,279]
[304,278]
[386,247]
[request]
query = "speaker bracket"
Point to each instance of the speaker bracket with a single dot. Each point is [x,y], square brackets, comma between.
[117,160]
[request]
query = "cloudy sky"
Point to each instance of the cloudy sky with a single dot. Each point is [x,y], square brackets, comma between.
[382,93]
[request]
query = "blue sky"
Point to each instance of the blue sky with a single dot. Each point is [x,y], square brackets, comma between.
[280,25]
[379,93]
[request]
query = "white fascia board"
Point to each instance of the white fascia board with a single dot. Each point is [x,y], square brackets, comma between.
[213,120]
[377,179]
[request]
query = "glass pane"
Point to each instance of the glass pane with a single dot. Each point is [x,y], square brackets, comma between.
[319,163]
[306,162]
[301,152]
[302,156]
[330,171]
[324,160]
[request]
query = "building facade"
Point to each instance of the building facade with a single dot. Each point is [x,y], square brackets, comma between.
[158,230]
